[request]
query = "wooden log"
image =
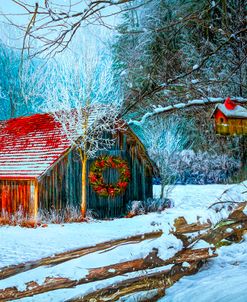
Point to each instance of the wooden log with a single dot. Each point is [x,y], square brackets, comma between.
[228,229]
[191,228]
[159,293]
[231,228]
[188,255]
[96,274]
[182,228]
[9,271]
[238,224]
[153,295]
[158,280]
[102,273]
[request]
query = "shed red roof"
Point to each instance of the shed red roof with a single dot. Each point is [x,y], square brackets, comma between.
[30,145]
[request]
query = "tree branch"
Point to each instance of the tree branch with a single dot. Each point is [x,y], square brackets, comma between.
[181,106]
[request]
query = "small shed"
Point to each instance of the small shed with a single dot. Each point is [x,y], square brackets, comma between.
[230,118]
[39,169]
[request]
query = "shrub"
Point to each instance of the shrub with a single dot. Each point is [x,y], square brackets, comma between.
[138,207]
[67,215]
[203,167]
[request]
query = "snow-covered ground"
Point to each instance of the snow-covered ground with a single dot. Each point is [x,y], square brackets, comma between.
[22,244]
[222,280]
[191,201]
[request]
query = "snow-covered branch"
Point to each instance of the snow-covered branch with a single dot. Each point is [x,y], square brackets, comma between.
[180,106]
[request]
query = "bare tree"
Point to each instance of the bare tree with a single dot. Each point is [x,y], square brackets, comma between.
[164,138]
[53,25]
[18,92]
[86,101]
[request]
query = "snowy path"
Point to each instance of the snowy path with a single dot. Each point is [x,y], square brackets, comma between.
[19,244]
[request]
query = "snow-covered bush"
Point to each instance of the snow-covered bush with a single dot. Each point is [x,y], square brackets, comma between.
[138,207]
[17,218]
[203,167]
[66,215]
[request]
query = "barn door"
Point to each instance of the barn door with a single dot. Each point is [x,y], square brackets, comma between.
[14,196]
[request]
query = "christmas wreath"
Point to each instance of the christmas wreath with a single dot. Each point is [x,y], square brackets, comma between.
[96,176]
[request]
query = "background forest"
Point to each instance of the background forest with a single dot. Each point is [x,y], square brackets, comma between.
[160,53]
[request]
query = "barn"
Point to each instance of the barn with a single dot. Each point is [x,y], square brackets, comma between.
[230,118]
[39,169]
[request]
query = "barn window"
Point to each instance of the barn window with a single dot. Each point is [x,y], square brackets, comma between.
[221,120]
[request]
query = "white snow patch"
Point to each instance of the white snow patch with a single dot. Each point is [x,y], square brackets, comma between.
[245,210]
[194,81]
[196,66]
[228,230]
[201,244]
[111,270]
[185,264]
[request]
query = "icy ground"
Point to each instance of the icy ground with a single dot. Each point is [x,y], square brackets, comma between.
[217,281]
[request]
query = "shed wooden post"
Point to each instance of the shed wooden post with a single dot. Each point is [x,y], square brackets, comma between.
[34,199]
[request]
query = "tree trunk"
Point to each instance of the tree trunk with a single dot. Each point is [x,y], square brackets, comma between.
[162,190]
[84,185]
[12,106]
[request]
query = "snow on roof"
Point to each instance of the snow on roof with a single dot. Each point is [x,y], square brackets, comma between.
[237,112]
[30,145]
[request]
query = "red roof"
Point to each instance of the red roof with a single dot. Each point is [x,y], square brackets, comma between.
[230,109]
[29,146]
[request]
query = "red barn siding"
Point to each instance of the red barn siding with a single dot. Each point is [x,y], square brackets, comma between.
[16,195]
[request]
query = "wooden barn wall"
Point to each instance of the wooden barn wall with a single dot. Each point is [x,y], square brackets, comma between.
[62,185]
[16,195]
[139,188]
